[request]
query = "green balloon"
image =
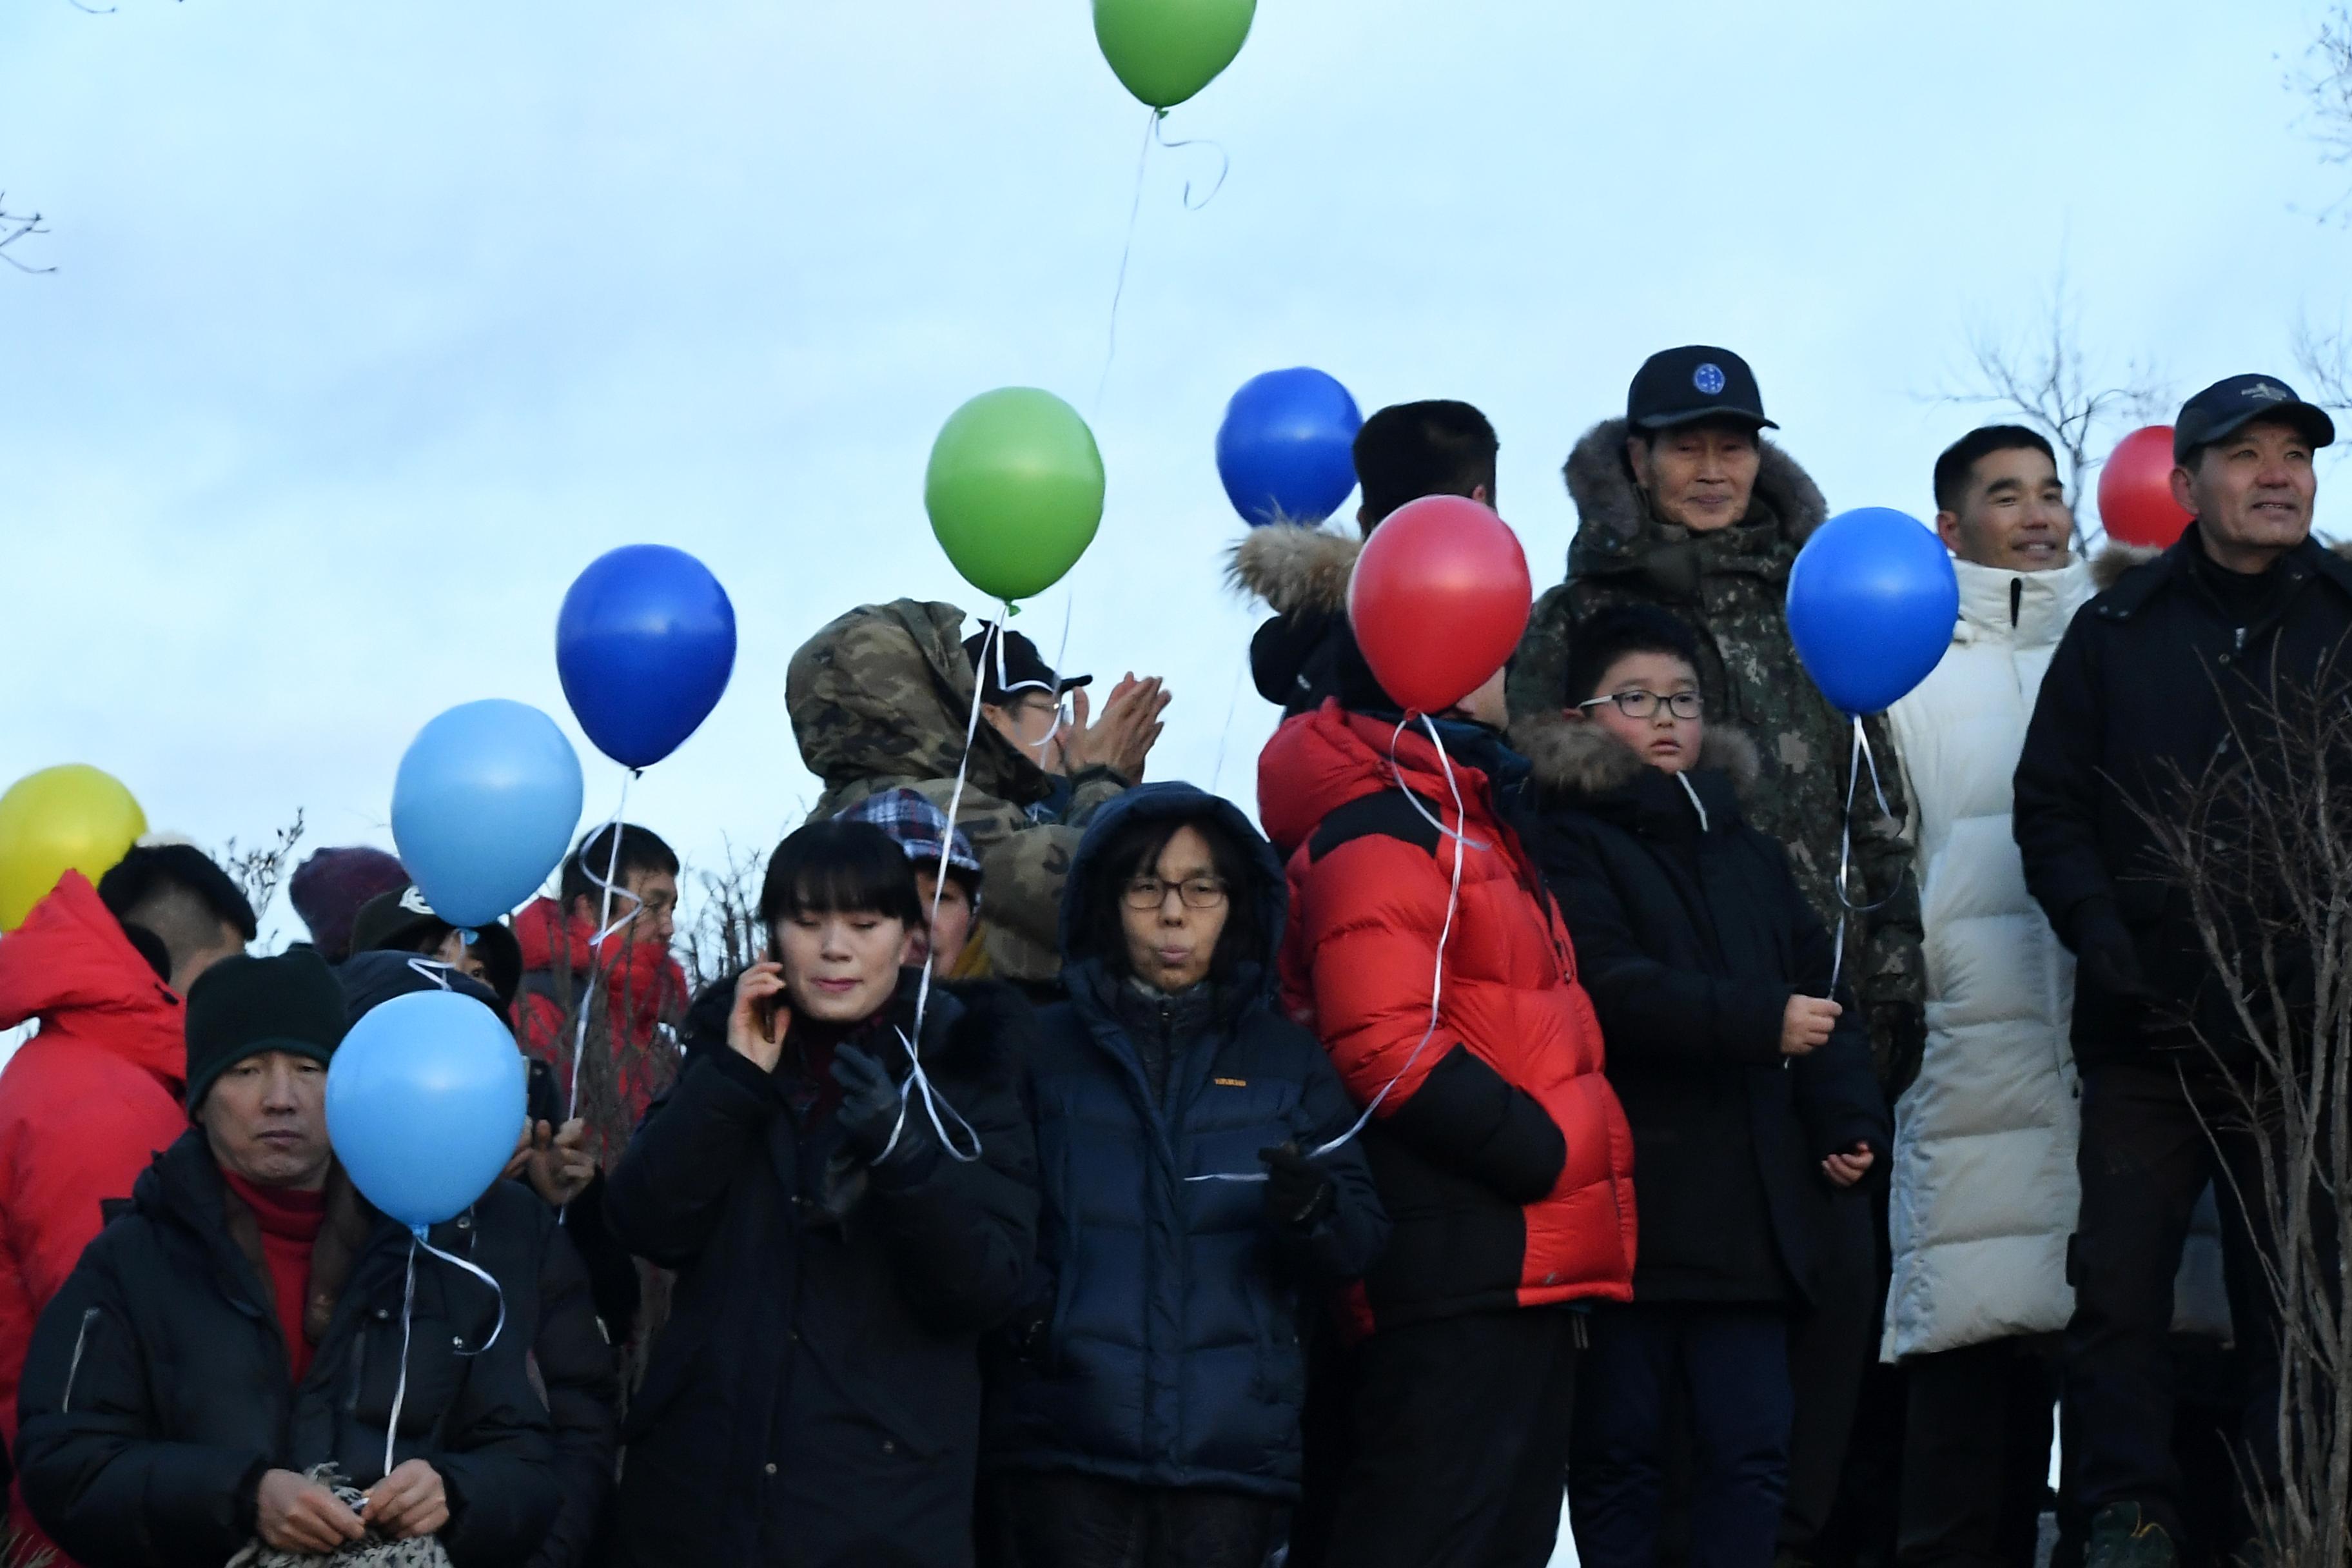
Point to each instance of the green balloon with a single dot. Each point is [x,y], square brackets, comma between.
[1016,490]
[1164,51]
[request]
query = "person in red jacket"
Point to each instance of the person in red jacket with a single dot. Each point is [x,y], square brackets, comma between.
[88,1099]
[640,990]
[1499,1149]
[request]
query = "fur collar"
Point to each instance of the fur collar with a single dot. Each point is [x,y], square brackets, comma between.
[1608,502]
[1581,761]
[1295,569]
[2115,558]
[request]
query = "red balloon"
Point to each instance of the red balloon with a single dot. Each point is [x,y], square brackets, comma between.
[1438,600]
[2135,504]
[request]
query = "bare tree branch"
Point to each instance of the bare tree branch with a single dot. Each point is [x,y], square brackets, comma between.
[2043,377]
[14,227]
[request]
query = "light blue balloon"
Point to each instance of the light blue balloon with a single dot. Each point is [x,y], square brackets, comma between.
[484,807]
[425,1101]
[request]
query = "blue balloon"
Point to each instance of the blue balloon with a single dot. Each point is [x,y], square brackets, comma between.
[425,1099]
[484,807]
[1286,449]
[644,644]
[1872,599]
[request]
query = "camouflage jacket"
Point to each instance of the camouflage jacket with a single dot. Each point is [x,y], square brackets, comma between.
[1730,587]
[880,700]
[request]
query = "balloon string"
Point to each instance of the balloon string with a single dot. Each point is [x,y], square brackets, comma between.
[1119,289]
[1224,163]
[990,639]
[1860,757]
[407,1323]
[606,926]
[479,1273]
[1445,931]
[1233,705]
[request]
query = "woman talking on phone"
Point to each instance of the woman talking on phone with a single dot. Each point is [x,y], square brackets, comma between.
[843,1237]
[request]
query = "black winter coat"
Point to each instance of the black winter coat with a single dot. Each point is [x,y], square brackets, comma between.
[1165,1350]
[158,1390]
[514,1237]
[2155,680]
[1693,935]
[814,1399]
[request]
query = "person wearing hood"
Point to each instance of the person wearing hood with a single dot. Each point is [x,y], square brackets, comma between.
[1683,505]
[1147,1411]
[844,1231]
[250,1357]
[882,700]
[514,1234]
[88,1099]
[1403,452]
[1497,1147]
[1747,1081]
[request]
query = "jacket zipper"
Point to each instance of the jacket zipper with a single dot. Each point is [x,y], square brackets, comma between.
[73,1368]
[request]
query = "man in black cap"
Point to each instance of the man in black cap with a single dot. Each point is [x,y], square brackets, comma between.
[402,922]
[2159,681]
[1682,506]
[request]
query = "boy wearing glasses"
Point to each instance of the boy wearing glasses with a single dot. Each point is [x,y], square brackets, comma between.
[1742,1067]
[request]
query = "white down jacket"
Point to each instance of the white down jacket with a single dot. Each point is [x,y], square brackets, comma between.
[1985,1190]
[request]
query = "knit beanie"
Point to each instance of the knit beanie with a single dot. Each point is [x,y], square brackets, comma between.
[329,887]
[244,1007]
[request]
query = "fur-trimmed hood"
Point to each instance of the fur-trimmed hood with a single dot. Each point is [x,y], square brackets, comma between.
[2114,559]
[1610,507]
[1577,760]
[1294,570]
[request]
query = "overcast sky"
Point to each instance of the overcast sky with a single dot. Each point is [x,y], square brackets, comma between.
[372,323]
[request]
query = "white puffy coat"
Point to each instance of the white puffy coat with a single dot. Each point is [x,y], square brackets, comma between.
[1985,1190]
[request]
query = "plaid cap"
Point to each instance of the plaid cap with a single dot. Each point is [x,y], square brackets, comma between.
[909,817]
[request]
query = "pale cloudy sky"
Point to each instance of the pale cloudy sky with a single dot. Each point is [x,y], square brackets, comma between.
[371,324]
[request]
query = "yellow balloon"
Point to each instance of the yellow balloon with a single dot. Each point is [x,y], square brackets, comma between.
[72,818]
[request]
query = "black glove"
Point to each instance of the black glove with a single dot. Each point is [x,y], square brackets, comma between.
[2107,957]
[869,1103]
[1298,1191]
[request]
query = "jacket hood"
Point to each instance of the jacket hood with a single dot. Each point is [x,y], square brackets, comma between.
[1268,892]
[2025,609]
[370,979]
[1614,519]
[71,957]
[1577,760]
[886,692]
[1320,761]
[1295,569]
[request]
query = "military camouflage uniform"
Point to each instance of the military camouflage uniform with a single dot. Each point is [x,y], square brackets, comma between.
[1730,587]
[880,701]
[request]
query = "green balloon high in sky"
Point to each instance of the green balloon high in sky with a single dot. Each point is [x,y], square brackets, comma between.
[1016,490]
[1164,51]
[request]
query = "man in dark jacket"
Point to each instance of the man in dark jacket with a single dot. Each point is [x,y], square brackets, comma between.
[1403,452]
[1189,1219]
[2171,672]
[1748,1086]
[512,1234]
[231,1348]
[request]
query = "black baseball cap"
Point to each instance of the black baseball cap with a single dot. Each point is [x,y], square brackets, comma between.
[1013,668]
[2239,400]
[1680,387]
[403,922]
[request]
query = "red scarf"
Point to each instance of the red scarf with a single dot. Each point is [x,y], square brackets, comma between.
[290,1229]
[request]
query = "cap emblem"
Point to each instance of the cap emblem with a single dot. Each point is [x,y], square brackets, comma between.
[411,898]
[1708,378]
[2269,391]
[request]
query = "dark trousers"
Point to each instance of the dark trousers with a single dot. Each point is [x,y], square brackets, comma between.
[2146,1156]
[1976,1456]
[1061,1520]
[1458,1443]
[1832,1346]
[1731,1364]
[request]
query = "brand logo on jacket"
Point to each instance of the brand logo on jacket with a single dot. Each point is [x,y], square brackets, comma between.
[1708,378]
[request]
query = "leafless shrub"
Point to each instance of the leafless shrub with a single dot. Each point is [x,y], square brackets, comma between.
[726,935]
[259,869]
[2263,849]
[14,227]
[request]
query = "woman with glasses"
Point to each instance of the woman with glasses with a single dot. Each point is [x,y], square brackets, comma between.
[1144,1411]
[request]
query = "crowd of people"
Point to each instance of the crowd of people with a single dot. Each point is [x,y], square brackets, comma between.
[1597,1095]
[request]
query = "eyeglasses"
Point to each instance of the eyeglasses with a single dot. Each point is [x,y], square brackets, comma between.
[1198,893]
[1639,704]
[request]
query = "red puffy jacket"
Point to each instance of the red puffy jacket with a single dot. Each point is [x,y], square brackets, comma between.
[84,1105]
[642,989]
[1503,1159]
